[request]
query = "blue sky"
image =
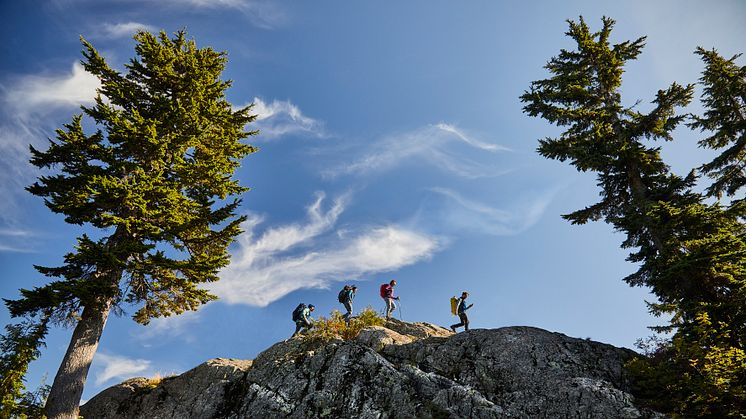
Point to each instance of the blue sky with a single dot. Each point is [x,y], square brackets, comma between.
[392,145]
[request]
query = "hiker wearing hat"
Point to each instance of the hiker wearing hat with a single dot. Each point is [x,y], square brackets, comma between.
[345,297]
[461,310]
[387,293]
[302,317]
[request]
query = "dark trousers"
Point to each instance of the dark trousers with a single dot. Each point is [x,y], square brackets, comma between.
[464,321]
[348,307]
[300,325]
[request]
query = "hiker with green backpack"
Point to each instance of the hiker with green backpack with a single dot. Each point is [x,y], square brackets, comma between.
[345,296]
[459,307]
[302,317]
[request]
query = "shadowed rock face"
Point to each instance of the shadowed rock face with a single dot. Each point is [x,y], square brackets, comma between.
[403,370]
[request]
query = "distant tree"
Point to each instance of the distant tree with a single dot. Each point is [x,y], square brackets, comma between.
[156,180]
[18,347]
[692,254]
[724,98]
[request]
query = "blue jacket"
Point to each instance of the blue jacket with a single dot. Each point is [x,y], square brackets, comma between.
[461,306]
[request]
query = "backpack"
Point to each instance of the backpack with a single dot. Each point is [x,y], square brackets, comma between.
[342,296]
[454,305]
[383,290]
[298,312]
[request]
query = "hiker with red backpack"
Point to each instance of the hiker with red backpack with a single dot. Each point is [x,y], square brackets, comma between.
[460,309]
[345,297]
[302,317]
[387,293]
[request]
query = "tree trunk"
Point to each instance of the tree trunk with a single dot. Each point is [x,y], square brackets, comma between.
[67,389]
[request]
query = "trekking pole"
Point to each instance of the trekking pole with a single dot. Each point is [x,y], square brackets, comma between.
[400,316]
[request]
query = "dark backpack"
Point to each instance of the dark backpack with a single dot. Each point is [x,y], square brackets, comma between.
[342,296]
[298,312]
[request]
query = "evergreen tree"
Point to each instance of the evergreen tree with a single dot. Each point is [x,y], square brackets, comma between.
[19,346]
[156,179]
[692,254]
[602,136]
[701,282]
[724,98]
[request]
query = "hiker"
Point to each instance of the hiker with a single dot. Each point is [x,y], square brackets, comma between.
[387,293]
[301,317]
[461,311]
[345,297]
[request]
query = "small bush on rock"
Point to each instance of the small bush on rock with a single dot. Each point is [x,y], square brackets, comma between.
[334,327]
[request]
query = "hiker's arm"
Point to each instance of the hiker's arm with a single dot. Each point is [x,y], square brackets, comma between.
[469,306]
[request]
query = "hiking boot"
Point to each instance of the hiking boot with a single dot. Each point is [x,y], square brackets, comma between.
[453,329]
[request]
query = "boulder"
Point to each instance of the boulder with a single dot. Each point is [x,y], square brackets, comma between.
[400,370]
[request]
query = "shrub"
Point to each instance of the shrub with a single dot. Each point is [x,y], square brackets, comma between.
[334,327]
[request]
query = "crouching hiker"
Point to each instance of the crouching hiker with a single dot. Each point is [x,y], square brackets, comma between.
[461,308]
[387,293]
[345,297]
[302,317]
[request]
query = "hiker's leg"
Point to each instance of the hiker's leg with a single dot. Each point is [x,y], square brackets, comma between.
[348,307]
[390,307]
[298,326]
[454,326]
[465,320]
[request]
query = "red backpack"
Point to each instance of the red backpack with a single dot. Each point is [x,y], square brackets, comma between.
[384,290]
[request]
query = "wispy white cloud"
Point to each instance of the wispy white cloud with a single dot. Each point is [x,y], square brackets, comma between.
[108,367]
[262,13]
[310,255]
[265,14]
[463,214]
[35,94]
[281,117]
[123,29]
[27,103]
[468,140]
[14,240]
[433,144]
[16,173]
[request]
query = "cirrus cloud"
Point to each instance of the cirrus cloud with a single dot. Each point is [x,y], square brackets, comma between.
[435,145]
[281,117]
[108,367]
[28,105]
[39,94]
[291,257]
[462,214]
[123,29]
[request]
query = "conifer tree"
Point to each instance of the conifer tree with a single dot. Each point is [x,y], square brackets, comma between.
[724,98]
[603,136]
[692,254]
[156,180]
[18,347]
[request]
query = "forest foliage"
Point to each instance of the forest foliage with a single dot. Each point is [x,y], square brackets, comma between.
[689,246]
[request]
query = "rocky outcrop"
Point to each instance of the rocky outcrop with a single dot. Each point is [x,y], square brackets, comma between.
[402,370]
